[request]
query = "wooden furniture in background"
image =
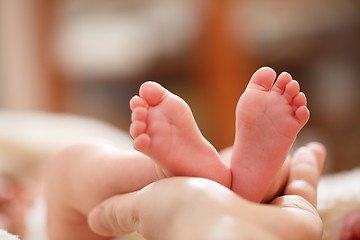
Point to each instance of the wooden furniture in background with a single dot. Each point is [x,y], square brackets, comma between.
[29,77]
[222,68]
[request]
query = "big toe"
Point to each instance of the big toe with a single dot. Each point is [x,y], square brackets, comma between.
[263,79]
[152,92]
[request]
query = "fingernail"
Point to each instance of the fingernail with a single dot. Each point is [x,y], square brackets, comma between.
[315,145]
[98,222]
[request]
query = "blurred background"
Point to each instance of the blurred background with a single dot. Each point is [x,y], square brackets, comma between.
[89,57]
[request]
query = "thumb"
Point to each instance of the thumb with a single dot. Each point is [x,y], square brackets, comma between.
[115,216]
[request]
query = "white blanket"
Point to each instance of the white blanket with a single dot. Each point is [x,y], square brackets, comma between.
[7,236]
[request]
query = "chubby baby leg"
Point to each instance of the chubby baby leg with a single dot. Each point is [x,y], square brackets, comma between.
[84,174]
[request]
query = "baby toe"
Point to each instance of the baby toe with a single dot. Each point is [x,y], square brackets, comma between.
[299,100]
[291,90]
[262,79]
[281,82]
[302,115]
[152,92]
[136,101]
[139,114]
[142,143]
[137,128]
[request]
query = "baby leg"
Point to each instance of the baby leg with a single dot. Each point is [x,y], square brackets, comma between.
[164,129]
[84,174]
[268,118]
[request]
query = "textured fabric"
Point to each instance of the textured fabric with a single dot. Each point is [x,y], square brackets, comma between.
[7,236]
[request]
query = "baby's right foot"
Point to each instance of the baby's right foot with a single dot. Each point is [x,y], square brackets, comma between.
[164,129]
[268,118]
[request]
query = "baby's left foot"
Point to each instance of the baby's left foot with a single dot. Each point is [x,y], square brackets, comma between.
[164,129]
[268,118]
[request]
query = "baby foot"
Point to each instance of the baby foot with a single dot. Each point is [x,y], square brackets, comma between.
[164,129]
[268,118]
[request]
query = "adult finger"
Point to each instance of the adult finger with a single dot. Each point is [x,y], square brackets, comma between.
[163,210]
[115,216]
[299,200]
[148,208]
[305,171]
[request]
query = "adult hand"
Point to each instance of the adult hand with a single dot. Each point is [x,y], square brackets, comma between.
[195,208]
